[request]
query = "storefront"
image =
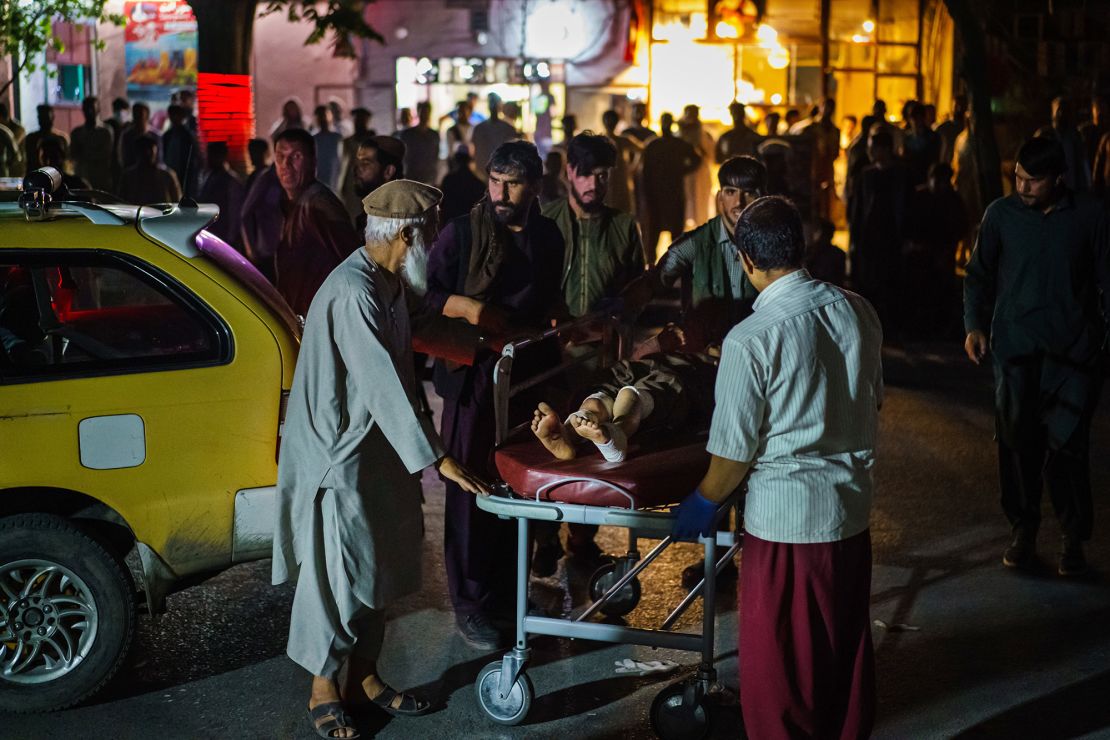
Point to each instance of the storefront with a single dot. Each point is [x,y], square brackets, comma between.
[710,52]
[533,91]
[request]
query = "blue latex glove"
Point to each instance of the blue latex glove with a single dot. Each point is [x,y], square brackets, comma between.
[695,517]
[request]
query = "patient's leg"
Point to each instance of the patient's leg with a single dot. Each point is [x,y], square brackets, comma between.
[611,437]
[552,433]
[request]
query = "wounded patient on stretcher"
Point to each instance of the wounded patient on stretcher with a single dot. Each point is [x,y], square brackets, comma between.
[662,387]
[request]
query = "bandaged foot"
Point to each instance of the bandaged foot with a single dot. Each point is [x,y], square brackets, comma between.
[609,438]
[552,433]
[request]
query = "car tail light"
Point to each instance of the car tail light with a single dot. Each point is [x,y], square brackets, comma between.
[283,406]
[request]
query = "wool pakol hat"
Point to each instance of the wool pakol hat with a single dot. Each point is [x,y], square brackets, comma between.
[401,199]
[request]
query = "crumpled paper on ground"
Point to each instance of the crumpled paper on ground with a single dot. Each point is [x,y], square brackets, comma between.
[629,667]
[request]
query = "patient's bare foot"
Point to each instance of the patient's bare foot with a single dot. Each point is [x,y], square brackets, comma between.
[550,431]
[591,429]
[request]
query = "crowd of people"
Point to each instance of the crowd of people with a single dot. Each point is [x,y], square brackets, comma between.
[780,363]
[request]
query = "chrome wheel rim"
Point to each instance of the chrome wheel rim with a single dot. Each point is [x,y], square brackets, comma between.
[48,621]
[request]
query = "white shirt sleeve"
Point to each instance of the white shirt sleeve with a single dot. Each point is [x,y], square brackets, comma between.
[741,404]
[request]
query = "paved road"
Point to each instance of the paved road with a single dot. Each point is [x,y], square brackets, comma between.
[988,653]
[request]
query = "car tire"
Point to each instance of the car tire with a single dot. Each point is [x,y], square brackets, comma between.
[55,576]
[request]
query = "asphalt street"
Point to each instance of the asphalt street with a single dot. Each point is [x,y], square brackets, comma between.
[965,647]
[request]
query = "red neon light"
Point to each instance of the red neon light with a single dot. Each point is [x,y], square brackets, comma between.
[226,107]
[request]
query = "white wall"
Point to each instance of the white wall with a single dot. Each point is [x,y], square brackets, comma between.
[284,67]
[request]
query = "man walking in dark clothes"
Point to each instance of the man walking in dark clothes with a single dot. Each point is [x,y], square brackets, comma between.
[180,151]
[1033,292]
[494,267]
[666,162]
[740,139]
[877,226]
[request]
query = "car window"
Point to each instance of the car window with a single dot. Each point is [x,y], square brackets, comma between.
[91,313]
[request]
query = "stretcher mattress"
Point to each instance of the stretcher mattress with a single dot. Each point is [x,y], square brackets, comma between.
[659,473]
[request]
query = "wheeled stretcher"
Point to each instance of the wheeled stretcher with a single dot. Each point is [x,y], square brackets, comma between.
[634,495]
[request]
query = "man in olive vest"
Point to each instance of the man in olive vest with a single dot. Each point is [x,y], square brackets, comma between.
[716,292]
[603,250]
[603,255]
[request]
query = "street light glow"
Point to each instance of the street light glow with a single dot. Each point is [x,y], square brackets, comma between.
[768,37]
[726,30]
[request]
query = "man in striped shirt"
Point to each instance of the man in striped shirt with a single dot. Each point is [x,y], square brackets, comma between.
[797,399]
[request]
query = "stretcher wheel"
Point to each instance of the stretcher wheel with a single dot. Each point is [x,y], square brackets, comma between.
[504,710]
[680,714]
[624,600]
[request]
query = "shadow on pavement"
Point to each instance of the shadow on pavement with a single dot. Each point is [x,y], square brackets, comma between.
[581,699]
[1074,711]
[462,675]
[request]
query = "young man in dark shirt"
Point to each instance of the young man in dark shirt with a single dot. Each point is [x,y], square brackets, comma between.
[1037,293]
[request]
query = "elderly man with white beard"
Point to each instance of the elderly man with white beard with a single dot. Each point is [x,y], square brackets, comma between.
[349,522]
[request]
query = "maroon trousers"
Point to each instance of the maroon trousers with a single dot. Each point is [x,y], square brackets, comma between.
[807,667]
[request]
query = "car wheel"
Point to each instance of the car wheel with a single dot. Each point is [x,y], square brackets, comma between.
[67,613]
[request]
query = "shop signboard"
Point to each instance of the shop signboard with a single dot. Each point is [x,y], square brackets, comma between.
[160,52]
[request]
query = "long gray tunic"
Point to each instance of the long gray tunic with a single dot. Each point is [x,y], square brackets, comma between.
[353,426]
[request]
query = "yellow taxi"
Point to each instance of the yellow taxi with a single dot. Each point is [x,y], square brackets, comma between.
[144,365]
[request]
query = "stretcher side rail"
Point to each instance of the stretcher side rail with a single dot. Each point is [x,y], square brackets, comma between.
[611,346]
[648,522]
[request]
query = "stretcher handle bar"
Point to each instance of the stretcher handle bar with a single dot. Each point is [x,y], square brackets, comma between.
[558,329]
[602,632]
[550,373]
[567,481]
[696,590]
[519,509]
[650,523]
[503,368]
[626,579]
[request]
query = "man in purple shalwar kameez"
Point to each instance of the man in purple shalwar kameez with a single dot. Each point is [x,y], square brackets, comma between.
[497,267]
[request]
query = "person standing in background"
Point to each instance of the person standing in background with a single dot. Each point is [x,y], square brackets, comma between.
[421,148]
[328,143]
[1063,130]
[137,129]
[291,117]
[258,151]
[951,129]
[46,131]
[740,139]
[490,134]
[667,160]
[698,182]
[222,186]
[181,151]
[361,119]
[148,180]
[91,148]
[621,192]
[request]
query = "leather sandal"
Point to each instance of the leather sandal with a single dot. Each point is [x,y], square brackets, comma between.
[330,717]
[410,706]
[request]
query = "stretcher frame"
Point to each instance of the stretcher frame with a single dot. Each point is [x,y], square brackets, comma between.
[502,701]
